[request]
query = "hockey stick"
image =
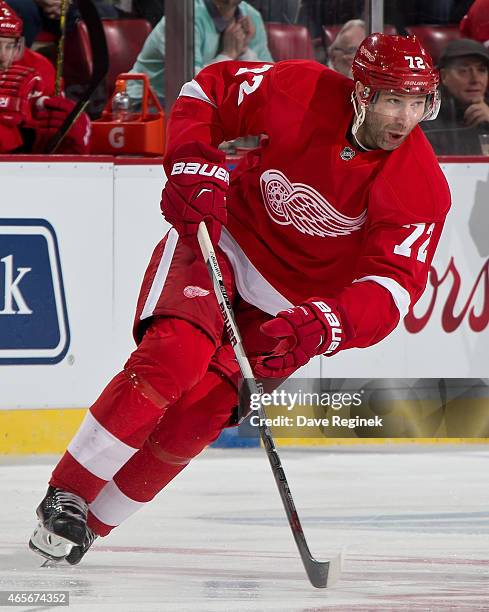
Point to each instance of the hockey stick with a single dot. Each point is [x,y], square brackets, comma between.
[61,47]
[100,59]
[320,573]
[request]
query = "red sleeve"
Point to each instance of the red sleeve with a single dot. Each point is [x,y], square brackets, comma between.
[224,101]
[44,69]
[403,230]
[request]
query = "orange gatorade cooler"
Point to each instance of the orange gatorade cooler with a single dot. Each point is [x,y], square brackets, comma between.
[123,131]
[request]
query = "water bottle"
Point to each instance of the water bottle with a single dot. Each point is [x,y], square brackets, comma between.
[121,103]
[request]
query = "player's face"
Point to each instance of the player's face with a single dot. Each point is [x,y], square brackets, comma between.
[8,52]
[466,79]
[390,120]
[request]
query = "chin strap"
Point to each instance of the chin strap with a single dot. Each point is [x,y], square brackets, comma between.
[362,146]
[359,114]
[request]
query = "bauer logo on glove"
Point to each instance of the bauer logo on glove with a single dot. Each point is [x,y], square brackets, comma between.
[217,172]
[196,191]
[335,325]
[313,328]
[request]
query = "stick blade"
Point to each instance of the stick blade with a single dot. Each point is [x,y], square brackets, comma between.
[323,574]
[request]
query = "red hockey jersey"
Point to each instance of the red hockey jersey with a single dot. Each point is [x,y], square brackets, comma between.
[10,136]
[43,67]
[307,214]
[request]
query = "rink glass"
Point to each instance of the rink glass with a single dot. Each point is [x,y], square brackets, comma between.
[484,142]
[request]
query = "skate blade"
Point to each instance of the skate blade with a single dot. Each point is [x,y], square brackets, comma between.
[49,545]
[52,563]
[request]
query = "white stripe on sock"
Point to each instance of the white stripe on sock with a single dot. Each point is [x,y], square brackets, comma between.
[99,451]
[112,506]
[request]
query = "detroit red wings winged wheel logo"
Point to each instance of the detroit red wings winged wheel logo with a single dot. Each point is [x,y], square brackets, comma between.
[191,291]
[305,208]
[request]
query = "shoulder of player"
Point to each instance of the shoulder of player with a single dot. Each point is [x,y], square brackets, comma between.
[303,79]
[412,182]
[42,66]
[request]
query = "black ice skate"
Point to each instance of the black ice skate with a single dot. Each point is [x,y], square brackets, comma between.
[77,552]
[62,524]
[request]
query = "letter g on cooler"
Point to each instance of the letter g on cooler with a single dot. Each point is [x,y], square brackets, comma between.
[116,137]
[34,325]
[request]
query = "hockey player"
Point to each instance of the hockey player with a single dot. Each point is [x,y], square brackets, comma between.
[343,200]
[30,112]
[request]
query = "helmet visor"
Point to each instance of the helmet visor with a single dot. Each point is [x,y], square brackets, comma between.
[409,108]
[11,50]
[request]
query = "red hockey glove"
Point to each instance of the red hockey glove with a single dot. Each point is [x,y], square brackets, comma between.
[10,138]
[50,114]
[304,331]
[19,85]
[195,191]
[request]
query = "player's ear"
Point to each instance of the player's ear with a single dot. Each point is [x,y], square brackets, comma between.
[361,93]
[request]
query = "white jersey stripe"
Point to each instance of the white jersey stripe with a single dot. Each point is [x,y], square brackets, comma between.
[97,450]
[401,296]
[251,285]
[161,274]
[112,506]
[192,89]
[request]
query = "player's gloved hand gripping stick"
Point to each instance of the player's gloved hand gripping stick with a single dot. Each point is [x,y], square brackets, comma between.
[320,573]
[196,190]
[313,328]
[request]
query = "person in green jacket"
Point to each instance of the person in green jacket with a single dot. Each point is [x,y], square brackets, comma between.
[224,30]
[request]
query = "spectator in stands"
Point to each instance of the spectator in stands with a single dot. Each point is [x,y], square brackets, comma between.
[345,45]
[476,23]
[30,112]
[464,113]
[39,15]
[224,30]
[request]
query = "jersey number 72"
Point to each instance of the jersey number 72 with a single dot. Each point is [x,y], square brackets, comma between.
[246,88]
[405,248]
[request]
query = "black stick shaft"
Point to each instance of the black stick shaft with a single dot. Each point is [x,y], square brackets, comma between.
[317,571]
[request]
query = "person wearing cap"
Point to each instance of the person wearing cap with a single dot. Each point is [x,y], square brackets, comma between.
[30,112]
[325,234]
[464,111]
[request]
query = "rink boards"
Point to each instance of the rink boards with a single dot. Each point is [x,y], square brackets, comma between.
[76,236]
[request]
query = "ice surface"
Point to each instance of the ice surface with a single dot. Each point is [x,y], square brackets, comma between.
[413,526]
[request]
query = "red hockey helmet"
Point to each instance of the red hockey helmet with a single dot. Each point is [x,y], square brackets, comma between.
[399,64]
[11,25]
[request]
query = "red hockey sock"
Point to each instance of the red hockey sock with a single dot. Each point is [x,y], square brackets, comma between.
[171,359]
[186,429]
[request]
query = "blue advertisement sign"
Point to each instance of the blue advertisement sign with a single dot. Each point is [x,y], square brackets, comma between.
[34,325]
